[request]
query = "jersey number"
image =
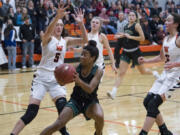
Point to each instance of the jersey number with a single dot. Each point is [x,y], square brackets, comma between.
[167,58]
[57,57]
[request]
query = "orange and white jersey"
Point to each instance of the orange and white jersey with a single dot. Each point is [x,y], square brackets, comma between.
[52,55]
[171,51]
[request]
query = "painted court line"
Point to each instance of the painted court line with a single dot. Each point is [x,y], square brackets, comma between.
[52,110]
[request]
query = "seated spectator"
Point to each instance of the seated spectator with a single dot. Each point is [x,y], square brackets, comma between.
[21,3]
[160,34]
[154,27]
[146,29]
[178,8]
[113,19]
[156,9]
[88,18]
[5,9]
[172,9]
[106,27]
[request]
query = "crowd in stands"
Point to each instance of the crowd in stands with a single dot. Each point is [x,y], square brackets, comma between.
[41,12]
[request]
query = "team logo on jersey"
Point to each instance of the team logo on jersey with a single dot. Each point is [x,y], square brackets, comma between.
[59,48]
[166,49]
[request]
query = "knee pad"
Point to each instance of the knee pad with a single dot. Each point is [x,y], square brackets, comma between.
[152,107]
[147,99]
[30,113]
[60,103]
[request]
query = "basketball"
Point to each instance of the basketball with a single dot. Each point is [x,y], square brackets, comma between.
[64,73]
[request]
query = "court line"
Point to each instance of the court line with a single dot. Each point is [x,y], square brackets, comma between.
[108,121]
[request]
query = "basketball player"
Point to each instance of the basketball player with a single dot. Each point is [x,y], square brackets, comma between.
[84,97]
[131,52]
[160,90]
[102,42]
[53,52]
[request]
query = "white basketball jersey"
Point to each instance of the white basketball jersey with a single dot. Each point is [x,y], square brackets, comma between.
[171,51]
[53,54]
[95,37]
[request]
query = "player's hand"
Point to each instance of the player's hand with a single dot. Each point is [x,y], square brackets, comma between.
[169,65]
[127,35]
[141,60]
[119,35]
[78,16]
[61,11]
[114,68]
[76,79]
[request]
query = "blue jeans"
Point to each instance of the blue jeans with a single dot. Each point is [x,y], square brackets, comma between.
[11,57]
[28,47]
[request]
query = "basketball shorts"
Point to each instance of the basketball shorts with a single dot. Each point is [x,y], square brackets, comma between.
[131,56]
[165,83]
[80,107]
[39,89]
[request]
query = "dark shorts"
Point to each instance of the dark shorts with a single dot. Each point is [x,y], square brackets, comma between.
[80,108]
[128,56]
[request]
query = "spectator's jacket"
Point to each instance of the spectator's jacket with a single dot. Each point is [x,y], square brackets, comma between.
[27,32]
[10,40]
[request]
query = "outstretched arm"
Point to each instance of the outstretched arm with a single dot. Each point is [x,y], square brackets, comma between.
[78,17]
[107,46]
[61,12]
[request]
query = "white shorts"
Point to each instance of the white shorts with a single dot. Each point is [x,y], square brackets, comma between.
[164,83]
[39,89]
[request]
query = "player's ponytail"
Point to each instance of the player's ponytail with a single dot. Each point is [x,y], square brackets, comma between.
[93,50]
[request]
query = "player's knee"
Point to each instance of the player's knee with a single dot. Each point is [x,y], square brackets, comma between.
[147,99]
[99,118]
[152,107]
[60,103]
[30,113]
[121,73]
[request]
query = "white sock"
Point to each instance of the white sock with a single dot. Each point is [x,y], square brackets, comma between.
[114,90]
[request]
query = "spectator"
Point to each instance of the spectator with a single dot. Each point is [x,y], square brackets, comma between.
[27,35]
[3,58]
[154,27]
[146,29]
[146,9]
[155,10]
[106,27]
[32,12]
[51,11]
[41,12]
[172,9]
[160,34]
[10,35]
[88,18]
[21,3]
[11,15]
[178,8]
[25,13]
[121,23]
[18,17]
[168,4]
[5,8]
[12,3]
[113,19]
[1,15]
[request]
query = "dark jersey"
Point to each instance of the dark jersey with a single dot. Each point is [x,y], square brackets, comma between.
[129,43]
[78,93]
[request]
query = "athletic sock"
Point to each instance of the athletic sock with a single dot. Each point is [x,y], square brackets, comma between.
[143,132]
[114,90]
